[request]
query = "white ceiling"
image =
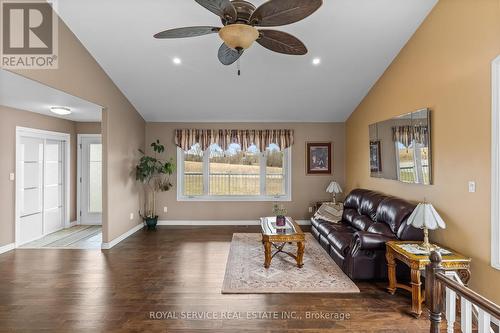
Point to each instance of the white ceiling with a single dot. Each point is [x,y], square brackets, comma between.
[355,39]
[21,93]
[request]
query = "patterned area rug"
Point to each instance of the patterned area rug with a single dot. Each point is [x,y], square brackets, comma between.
[245,272]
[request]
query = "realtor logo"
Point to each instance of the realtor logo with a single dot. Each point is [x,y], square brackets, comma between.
[29,35]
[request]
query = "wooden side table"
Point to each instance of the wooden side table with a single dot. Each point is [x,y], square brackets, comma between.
[452,262]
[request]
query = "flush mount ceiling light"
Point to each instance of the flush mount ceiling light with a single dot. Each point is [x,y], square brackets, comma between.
[316,61]
[177,61]
[60,110]
[240,18]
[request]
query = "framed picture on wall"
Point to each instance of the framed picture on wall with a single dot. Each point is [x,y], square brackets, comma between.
[318,158]
[375,156]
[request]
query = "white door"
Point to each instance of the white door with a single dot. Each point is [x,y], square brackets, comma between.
[90,179]
[40,189]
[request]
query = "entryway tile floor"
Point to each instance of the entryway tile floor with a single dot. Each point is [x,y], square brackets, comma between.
[77,237]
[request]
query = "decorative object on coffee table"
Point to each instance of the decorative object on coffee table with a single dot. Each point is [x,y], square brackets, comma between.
[280,213]
[278,237]
[425,217]
[400,250]
[319,158]
[335,189]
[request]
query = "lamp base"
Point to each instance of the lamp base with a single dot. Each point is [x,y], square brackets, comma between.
[426,245]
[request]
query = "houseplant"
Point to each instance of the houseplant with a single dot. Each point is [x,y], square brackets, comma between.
[279,212]
[154,172]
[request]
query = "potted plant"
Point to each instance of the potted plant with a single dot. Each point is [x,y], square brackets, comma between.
[279,212]
[154,173]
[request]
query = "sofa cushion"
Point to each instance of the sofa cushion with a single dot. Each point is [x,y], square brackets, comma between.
[349,214]
[362,222]
[341,241]
[394,211]
[316,222]
[342,228]
[369,204]
[353,199]
[325,229]
[380,229]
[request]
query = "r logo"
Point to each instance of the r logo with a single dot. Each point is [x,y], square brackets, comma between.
[27,28]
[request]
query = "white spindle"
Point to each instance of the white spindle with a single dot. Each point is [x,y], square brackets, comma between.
[451,298]
[466,316]
[483,321]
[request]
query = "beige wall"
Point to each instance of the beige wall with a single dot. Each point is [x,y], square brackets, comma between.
[305,189]
[10,119]
[122,128]
[445,66]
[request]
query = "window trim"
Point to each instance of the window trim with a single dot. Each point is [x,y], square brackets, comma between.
[495,164]
[205,197]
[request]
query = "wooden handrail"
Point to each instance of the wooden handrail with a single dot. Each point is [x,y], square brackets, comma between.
[472,296]
[437,281]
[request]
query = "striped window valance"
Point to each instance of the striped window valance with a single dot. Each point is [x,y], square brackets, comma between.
[186,138]
[407,134]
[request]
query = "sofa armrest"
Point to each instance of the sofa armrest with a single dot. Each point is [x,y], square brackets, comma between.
[369,241]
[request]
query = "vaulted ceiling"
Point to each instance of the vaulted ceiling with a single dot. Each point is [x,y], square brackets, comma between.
[355,40]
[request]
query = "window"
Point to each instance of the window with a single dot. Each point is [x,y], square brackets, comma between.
[234,174]
[413,163]
[495,172]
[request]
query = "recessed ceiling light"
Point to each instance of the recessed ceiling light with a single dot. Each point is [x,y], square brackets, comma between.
[60,110]
[177,61]
[316,61]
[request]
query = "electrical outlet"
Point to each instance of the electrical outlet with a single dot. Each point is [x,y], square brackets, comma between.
[165,209]
[472,187]
[131,216]
[12,176]
[310,209]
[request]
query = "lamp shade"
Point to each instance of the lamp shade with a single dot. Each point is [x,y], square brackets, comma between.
[425,216]
[334,187]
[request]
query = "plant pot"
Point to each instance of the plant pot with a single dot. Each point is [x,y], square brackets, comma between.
[280,221]
[151,222]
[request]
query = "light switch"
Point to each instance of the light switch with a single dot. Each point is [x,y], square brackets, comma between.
[165,209]
[472,187]
[310,209]
[131,216]
[12,176]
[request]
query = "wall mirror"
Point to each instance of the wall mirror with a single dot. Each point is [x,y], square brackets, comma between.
[400,148]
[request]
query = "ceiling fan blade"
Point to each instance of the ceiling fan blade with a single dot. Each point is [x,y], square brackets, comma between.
[222,8]
[227,55]
[281,42]
[187,32]
[281,12]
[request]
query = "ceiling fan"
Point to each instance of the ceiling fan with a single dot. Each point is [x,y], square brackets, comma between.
[240,19]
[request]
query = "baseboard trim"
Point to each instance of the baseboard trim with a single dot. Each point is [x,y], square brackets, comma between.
[72,224]
[107,246]
[7,248]
[217,222]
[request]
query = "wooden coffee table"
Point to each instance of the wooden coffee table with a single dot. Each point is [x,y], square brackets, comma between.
[451,262]
[273,236]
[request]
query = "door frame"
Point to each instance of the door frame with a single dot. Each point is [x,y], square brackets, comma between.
[79,138]
[45,135]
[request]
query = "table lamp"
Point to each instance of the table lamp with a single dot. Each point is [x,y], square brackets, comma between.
[425,217]
[334,188]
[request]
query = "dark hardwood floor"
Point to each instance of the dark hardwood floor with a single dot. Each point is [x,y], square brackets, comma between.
[166,271]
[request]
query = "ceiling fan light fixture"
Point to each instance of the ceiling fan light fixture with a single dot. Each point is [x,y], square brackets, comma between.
[239,36]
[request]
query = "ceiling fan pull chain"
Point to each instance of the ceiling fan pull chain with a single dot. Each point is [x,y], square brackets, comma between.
[238,66]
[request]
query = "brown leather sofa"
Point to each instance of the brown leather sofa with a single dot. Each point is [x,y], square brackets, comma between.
[357,243]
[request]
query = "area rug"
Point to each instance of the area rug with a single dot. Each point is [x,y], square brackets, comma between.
[245,272]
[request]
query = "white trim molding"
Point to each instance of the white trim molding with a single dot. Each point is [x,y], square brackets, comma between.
[7,248]
[495,164]
[199,223]
[107,246]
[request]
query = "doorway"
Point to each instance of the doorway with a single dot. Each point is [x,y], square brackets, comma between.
[42,183]
[90,179]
